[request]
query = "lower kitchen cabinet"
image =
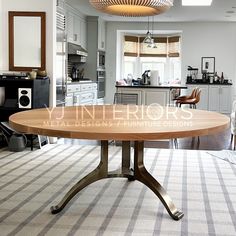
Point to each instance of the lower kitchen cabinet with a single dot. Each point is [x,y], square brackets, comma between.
[160,97]
[220,98]
[69,100]
[147,96]
[214,97]
[81,94]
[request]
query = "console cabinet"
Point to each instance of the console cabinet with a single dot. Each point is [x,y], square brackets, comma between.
[22,94]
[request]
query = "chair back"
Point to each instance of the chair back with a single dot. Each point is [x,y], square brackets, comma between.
[126,98]
[234,106]
[197,96]
[194,92]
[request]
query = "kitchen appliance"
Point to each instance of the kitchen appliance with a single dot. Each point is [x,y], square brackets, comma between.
[145,77]
[76,53]
[192,74]
[154,78]
[25,98]
[101,82]
[61,57]
[101,59]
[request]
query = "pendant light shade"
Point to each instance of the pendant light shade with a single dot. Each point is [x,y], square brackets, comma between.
[132,7]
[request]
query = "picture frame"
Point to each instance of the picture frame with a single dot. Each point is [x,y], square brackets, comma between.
[208,65]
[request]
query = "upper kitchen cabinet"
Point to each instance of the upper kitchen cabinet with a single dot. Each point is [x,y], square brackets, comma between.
[101,34]
[76,28]
[97,31]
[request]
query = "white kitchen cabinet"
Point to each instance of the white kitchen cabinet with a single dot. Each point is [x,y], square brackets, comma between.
[157,96]
[220,98]
[214,98]
[81,94]
[83,35]
[70,27]
[69,100]
[101,34]
[204,96]
[76,29]
[148,96]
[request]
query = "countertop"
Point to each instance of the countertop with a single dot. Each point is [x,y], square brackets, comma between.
[81,82]
[200,83]
[174,86]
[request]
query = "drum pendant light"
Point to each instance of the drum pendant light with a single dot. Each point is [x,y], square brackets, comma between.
[132,7]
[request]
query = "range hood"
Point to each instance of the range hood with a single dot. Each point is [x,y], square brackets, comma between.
[74,49]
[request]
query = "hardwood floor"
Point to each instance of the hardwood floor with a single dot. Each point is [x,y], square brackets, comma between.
[212,142]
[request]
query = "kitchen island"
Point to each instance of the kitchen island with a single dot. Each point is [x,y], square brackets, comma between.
[148,94]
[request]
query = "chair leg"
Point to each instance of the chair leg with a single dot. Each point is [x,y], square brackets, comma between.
[234,141]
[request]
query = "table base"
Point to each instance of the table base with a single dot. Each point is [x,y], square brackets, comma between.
[138,172]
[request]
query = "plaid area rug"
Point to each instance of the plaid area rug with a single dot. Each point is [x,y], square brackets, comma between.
[202,186]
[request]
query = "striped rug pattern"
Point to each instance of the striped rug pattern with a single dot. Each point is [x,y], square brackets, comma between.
[201,185]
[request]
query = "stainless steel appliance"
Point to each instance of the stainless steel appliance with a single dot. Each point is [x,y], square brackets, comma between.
[146,77]
[101,59]
[61,57]
[101,82]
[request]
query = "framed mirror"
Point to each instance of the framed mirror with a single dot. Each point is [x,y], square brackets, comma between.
[27,41]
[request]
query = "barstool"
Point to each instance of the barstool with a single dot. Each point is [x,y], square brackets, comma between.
[192,100]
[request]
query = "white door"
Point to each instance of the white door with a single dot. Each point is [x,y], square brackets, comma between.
[214,98]
[225,99]
[203,103]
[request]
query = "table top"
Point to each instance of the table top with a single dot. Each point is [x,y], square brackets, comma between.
[119,122]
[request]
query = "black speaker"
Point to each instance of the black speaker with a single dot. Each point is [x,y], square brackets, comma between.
[25,98]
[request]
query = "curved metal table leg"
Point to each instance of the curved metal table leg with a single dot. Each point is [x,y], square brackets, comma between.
[99,173]
[142,175]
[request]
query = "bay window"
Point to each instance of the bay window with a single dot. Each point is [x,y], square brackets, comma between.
[165,57]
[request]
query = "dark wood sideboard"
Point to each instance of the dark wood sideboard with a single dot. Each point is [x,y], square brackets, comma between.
[18,94]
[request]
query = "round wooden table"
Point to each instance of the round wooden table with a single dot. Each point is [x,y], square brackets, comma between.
[120,122]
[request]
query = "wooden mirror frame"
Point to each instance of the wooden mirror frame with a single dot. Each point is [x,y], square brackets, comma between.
[11,15]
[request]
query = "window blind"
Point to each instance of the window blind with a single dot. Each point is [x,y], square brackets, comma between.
[160,51]
[174,46]
[166,47]
[131,46]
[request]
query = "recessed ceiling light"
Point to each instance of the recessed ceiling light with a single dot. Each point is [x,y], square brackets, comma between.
[230,12]
[196,2]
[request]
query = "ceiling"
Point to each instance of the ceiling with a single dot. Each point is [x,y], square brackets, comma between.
[220,10]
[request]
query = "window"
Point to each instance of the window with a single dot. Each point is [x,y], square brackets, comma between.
[129,66]
[154,63]
[165,58]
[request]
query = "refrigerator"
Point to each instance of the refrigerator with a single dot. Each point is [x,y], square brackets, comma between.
[61,58]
